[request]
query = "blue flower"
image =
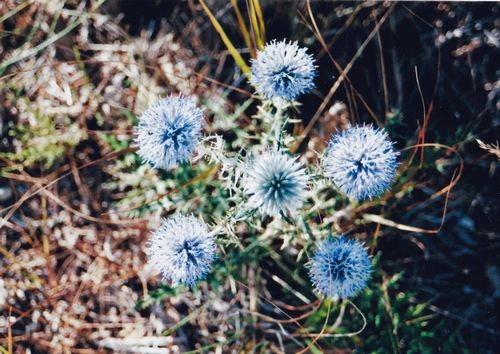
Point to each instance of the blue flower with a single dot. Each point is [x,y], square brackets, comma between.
[182,250]
[339,268]
[276,183]
[283,70]
[361,161]
[169,131]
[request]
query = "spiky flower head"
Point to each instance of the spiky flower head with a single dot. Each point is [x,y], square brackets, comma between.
[339,267]
[182,250]
[361,161]
[283,70]
[169,131]
[276,183]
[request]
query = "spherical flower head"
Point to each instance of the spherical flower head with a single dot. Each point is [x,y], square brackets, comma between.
[276,183]
[169,131]
[339,267]
[283,70]
[182,250]
[361,161]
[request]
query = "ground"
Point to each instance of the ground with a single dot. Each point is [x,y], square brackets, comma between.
[77,205]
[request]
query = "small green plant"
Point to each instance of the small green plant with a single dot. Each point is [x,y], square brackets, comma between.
[45,140]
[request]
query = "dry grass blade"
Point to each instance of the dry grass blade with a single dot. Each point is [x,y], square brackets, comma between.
[229,45]
[256,24]
[185,320]
[74,243]
[9,336]
[285,285]
[318,336]
[383,221]
[325,49]
[446,190]
[32,51]
[336,324]
[260,18]
[221,84]
[243,27]
[455,177]
[34,191]
[421,134]
[65,206]
[290,319]
[493,149]
[427,112]
[14,11]
[341,78]
[207,174]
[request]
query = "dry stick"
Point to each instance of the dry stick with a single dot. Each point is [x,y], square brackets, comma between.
[231,87]
[314,29]
[380,220]
[449,148]
[446,190]
[382,68]
[281,322]
[254,24]
[341,31]
[340,317]
[325,47]
[89,217]
[82,215]
[12,208]
[290,318]
[404,167]
[152,67]
[341,78]
[295,308]
[417,16]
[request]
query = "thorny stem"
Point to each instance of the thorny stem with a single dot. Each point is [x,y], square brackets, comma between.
[276,127]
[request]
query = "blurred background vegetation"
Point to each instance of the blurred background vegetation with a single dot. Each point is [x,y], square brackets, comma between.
[76,204]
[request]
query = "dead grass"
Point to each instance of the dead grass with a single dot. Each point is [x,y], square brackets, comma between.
[76,210]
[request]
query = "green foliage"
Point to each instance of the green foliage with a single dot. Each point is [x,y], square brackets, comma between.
[44,141]
[162,292]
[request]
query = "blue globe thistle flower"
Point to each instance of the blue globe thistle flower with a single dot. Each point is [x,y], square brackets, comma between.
[283,70]
[339,267]
[361,161]
[276,183]
[182,249]
[169,131]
